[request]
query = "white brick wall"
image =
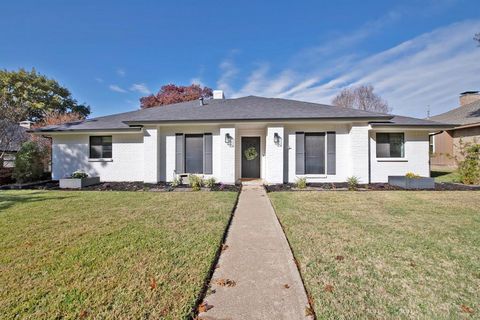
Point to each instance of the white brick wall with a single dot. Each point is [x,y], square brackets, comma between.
[227,155]
[359,151]
[274,155]
[151,147]
[416,157]
[71,151]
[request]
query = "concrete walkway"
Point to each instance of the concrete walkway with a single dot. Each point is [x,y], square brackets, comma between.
[256,277]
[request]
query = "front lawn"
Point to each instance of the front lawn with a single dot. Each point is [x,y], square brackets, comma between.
[392,254]
[107,255]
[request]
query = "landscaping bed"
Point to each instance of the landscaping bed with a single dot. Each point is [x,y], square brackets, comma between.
[365,187]
[386,255]
[107,255]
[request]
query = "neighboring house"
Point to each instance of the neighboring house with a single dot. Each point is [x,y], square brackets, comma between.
[13,135]
[446,145]
[276,140]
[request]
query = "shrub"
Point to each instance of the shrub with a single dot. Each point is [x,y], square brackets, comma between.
[210,182]
[301,183]
[469,167]
[28,163]
[352,183]
[412,175]
[176,181]
[79,175]
[195,181]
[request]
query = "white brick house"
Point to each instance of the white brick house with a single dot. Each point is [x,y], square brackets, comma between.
[276,140]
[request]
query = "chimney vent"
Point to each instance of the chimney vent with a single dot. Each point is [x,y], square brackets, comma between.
[469,97]
[218,94]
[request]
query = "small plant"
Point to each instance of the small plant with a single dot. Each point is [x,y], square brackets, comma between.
[195,181]
[412,175]
[210,183]
[469,166]
[79,174]
[176,181]
[352,183]
[301,183]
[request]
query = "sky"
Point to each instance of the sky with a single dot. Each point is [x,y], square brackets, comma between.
[418,55]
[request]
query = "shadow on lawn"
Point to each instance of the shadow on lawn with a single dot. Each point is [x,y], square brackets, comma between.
[9,200]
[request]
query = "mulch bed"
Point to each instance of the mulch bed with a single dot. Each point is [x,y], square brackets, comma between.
[366,187]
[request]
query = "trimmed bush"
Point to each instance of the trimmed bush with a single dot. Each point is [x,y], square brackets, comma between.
[301,183]
[210,183]
[352,183]
[195,181]
[29,163]
[469,167]
[176,181]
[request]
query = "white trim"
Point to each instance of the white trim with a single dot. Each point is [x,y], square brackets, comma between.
[392,159]
[100,159]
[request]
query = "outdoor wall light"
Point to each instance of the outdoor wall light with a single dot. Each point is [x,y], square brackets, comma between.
[228,139]
[276,138]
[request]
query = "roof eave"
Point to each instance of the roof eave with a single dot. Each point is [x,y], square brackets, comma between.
[130,129]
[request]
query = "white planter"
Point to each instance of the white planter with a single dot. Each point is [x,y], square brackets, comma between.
[411,183]
[71,183]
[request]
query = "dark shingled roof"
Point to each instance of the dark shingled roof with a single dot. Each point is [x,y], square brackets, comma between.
[16,133]
[467,114]
[249,108]
[401,121]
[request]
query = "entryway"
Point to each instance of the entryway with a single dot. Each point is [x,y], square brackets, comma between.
[251,157]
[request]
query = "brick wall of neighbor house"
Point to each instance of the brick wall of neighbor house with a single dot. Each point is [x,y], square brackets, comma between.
[71,153]
[416,157]
[443,150]
[343,152]
[466,135]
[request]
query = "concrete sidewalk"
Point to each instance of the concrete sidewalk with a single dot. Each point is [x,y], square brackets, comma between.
[256,277]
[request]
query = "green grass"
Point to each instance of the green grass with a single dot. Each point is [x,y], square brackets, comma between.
[70,255]
[445,176]
[405,254]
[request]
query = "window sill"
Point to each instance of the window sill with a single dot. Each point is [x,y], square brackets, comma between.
[318,176]
[392,160]
[100,160]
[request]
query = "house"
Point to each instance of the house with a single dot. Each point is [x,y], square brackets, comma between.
[252,137]
[12,137]
[446,145]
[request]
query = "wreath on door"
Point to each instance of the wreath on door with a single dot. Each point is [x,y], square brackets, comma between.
[250,153]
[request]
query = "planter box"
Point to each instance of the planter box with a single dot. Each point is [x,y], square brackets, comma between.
[411,183]
[71,183]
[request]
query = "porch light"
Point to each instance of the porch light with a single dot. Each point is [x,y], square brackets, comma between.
[276,138]
[228,139]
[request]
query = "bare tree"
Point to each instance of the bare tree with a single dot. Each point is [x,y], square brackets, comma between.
[362,98]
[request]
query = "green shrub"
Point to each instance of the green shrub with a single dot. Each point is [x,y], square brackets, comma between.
[79,175]
[210,183]
[28,163]
[195,181]
[412,175]
[176,181]
[352,183]
[469,167]
[301,183]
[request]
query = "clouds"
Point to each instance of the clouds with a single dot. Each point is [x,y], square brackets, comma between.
[140,88]
[430,69]
[116,88]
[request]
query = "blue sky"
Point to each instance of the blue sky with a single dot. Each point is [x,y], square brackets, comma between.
[110,53]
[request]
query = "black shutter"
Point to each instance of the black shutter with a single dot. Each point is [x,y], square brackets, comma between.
[207,153]
[179,163]
[331,153]
[300,153]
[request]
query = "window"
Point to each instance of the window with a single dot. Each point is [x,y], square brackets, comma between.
[194,153]
[390,145]
[315,153]
[101,147]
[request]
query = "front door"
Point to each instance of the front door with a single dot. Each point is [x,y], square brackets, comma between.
[250,157]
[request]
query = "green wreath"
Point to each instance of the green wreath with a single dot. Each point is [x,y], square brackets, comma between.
[251,153]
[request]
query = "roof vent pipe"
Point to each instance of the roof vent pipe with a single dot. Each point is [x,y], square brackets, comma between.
[201,101]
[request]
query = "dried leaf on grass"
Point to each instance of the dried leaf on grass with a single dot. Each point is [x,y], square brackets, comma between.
[225,282]
[286,286]
[204,307]
[309,311]
[153,283]
[339,258]
[467,309]
[83,314]
[328,288]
